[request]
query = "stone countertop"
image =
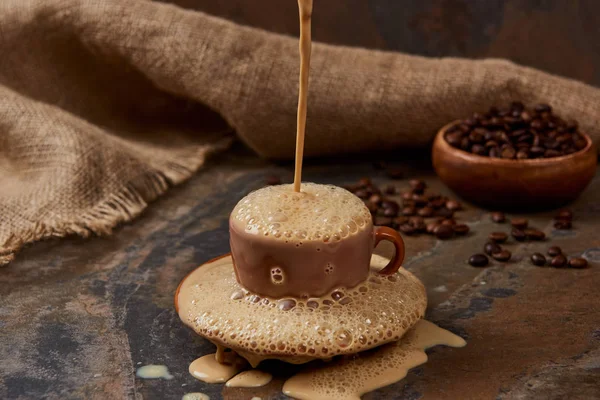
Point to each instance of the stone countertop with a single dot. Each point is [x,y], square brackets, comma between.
[77,317]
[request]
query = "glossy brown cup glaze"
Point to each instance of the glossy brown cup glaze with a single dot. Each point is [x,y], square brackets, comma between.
[279,268]
[514,184]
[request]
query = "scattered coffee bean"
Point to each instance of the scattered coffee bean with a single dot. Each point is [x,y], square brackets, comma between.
[408,211]
[461,229]
[376,198]
[399,220]
[365,182]
[498,217]
[538,259]
[407,229]
[563,224]
[390,190]
[478,260]
[554,251]
[383,221]
[443,232]
[431,227]
[426,212]
[559,261]
[519,223]
[491,248]
[273,180]
[363,194]
[449,222]
[444,212]
[390,212]
[372,207]
[564,214]
[534,234]
[518,235]
[516,133]
[498,237]
[502,255]
[453,205]
[578,262]
[417,185]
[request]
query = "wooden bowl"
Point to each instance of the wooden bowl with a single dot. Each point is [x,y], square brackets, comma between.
[514,184]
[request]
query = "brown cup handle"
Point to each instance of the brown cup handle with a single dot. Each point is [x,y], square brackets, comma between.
[385,233]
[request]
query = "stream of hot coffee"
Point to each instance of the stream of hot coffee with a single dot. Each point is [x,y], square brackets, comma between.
[305,12]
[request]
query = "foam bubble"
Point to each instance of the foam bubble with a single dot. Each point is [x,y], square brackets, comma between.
[344,321]
[319,213]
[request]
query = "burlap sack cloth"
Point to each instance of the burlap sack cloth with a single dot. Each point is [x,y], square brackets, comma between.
[104,104]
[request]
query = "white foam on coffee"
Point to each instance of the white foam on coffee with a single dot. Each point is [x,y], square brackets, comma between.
[317,213]
[345,321]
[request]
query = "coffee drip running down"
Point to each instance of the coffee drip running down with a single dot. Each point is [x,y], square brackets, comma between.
[302,284]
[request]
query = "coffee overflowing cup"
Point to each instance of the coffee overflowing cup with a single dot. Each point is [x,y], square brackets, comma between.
[305,244]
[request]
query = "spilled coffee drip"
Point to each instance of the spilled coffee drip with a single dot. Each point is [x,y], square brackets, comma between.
[344,321]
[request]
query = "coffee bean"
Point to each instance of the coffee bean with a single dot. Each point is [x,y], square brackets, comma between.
[273,180]
[444,212]
[491,248]
[419,200]
[399,220]
[390,190]
[498,217]
[406,196]
[416,220]
[498,237]
[364,181]
[395,173]
[519,223]
[538,259]
[408,211]
[375,198]
[390,212]
[453,205]
[443,232]
[461,229]
[387,203]
[503,255]
[554,251]
[478,260]
[534,234]
[383,221]
[431,227]
[562,224]
[564,214]
[407,229]
[559,261]
[417,186]
[578,262]
[426,212]
[518,235]
[437,203]
[363,194]
[448,222]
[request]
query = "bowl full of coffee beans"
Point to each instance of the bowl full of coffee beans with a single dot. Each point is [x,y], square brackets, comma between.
[515,156]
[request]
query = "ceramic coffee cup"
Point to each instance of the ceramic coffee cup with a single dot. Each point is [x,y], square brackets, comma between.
[299,266]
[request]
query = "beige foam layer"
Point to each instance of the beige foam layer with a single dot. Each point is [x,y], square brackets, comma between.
[319,212]
[378,311]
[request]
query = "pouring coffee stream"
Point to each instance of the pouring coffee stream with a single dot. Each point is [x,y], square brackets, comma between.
[305,13]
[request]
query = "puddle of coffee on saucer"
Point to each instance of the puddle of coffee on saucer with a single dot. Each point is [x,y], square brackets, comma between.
[370,332]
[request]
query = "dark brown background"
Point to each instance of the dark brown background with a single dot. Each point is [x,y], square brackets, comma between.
[559,36]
